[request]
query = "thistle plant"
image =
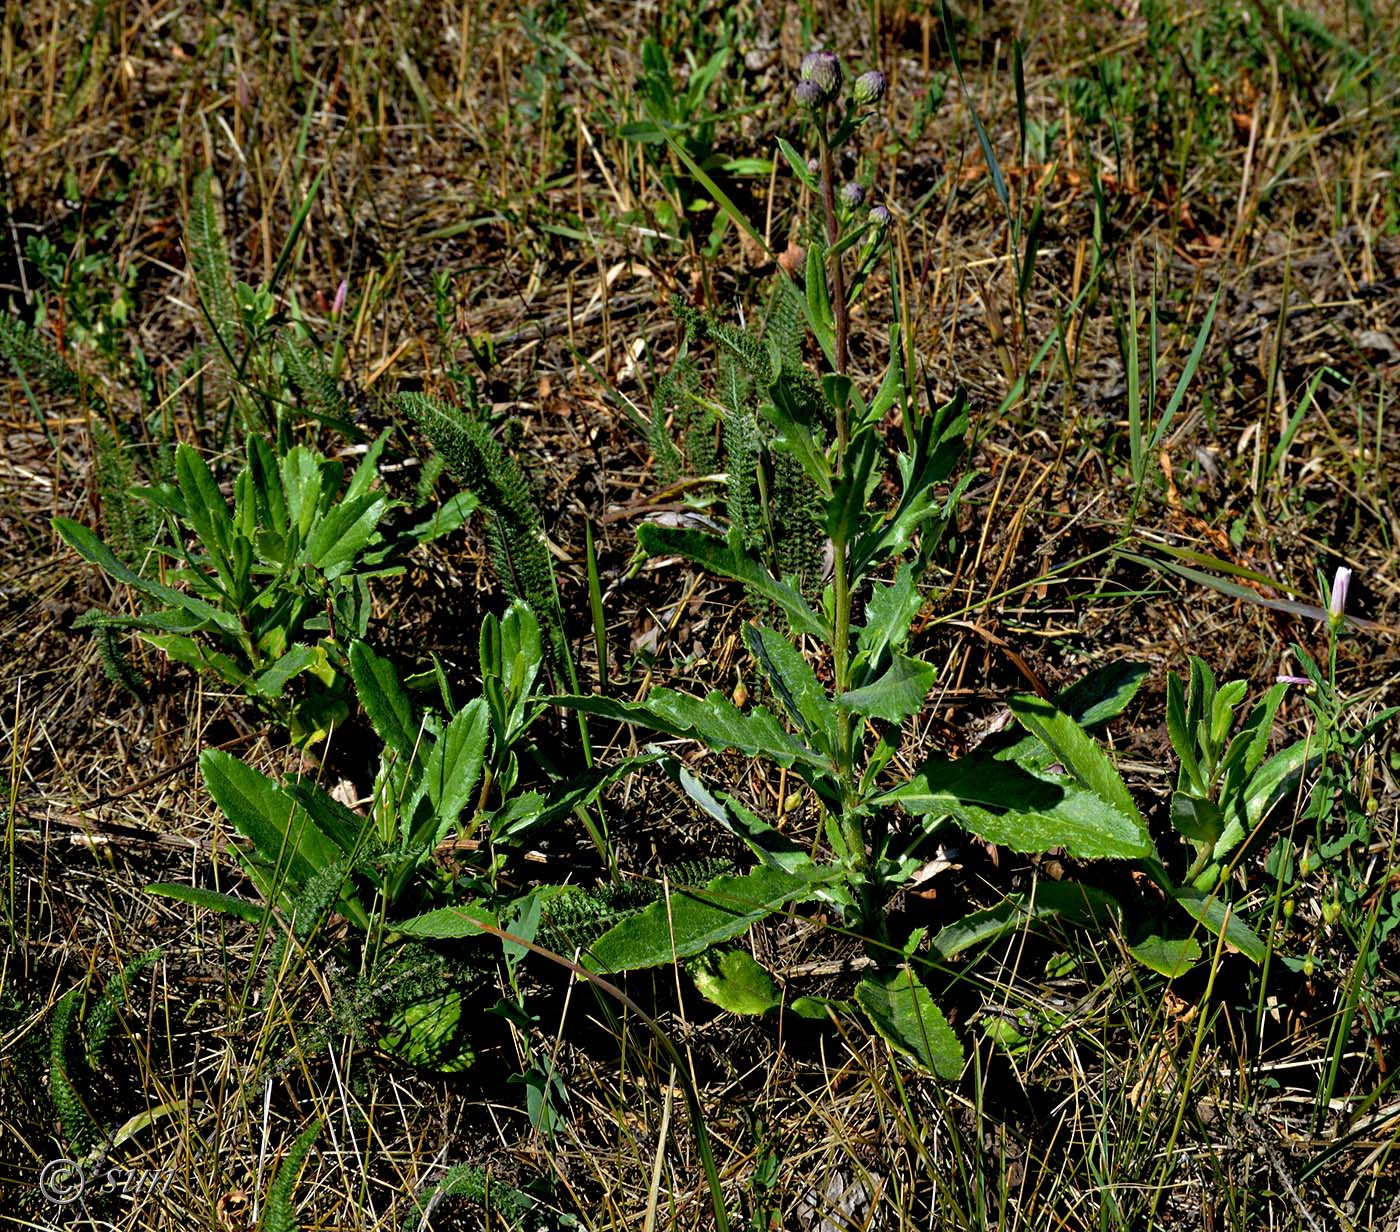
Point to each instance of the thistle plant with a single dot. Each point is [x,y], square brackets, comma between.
[844,675]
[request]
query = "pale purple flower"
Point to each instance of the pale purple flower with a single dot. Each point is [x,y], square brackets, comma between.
[880,216]
[852,194]
[1337,607]
[1292,680]
[340,293]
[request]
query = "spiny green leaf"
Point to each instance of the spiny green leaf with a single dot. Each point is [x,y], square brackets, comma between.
[905,1015]
[896,695]
[1002,803]
[693,920]
[728,559]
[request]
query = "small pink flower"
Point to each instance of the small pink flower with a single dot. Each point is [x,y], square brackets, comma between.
[340,293]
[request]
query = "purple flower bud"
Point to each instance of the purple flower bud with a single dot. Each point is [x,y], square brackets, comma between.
[340,292]
[809,95]
[869,87]
[1337,608]
[824,68]
[852,195]
[880,216]
[814,166]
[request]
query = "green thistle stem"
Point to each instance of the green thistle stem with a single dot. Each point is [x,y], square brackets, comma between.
[851,829]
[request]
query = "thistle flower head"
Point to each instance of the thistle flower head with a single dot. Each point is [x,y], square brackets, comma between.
[852,195]
[823,68]
[809,95]
[880,216]
[869,87]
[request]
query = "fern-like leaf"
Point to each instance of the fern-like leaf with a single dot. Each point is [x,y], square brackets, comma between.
[36,359]
[213,271]
[280,1213]
[515,530]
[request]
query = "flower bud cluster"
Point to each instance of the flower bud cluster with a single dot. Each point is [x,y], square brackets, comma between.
[821,69]
[821,77]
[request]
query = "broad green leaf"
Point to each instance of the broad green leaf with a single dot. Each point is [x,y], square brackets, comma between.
[847,511]
[344,827]
[1090,701]
[818,1008]
[1251,743]
[265,483]
[732,980]
[1183,740]
[537,810]
[693,920]
[1078,904]
[892,385]
[1216,915]
[388,706]
[1169,956]
[199,656]
[795,684]
[94,551]
[1103,694]
[796,436]
[1002,803]
[341,535]
[283,832]
[727,559]
[302,479]
[896,695]
[463,920]
[1275,781]
[431,1031]
[939,444]
[819,315]
[206,511]
[368,469]
[904,1014]
[1080,755]
[452,770]
[449,516]
[198,896]
[1199,820]
[798,162]
[271,681]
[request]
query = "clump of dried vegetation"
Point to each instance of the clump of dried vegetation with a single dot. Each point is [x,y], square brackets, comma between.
[493,250]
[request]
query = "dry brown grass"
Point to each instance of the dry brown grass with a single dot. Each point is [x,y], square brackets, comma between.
[465,142]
